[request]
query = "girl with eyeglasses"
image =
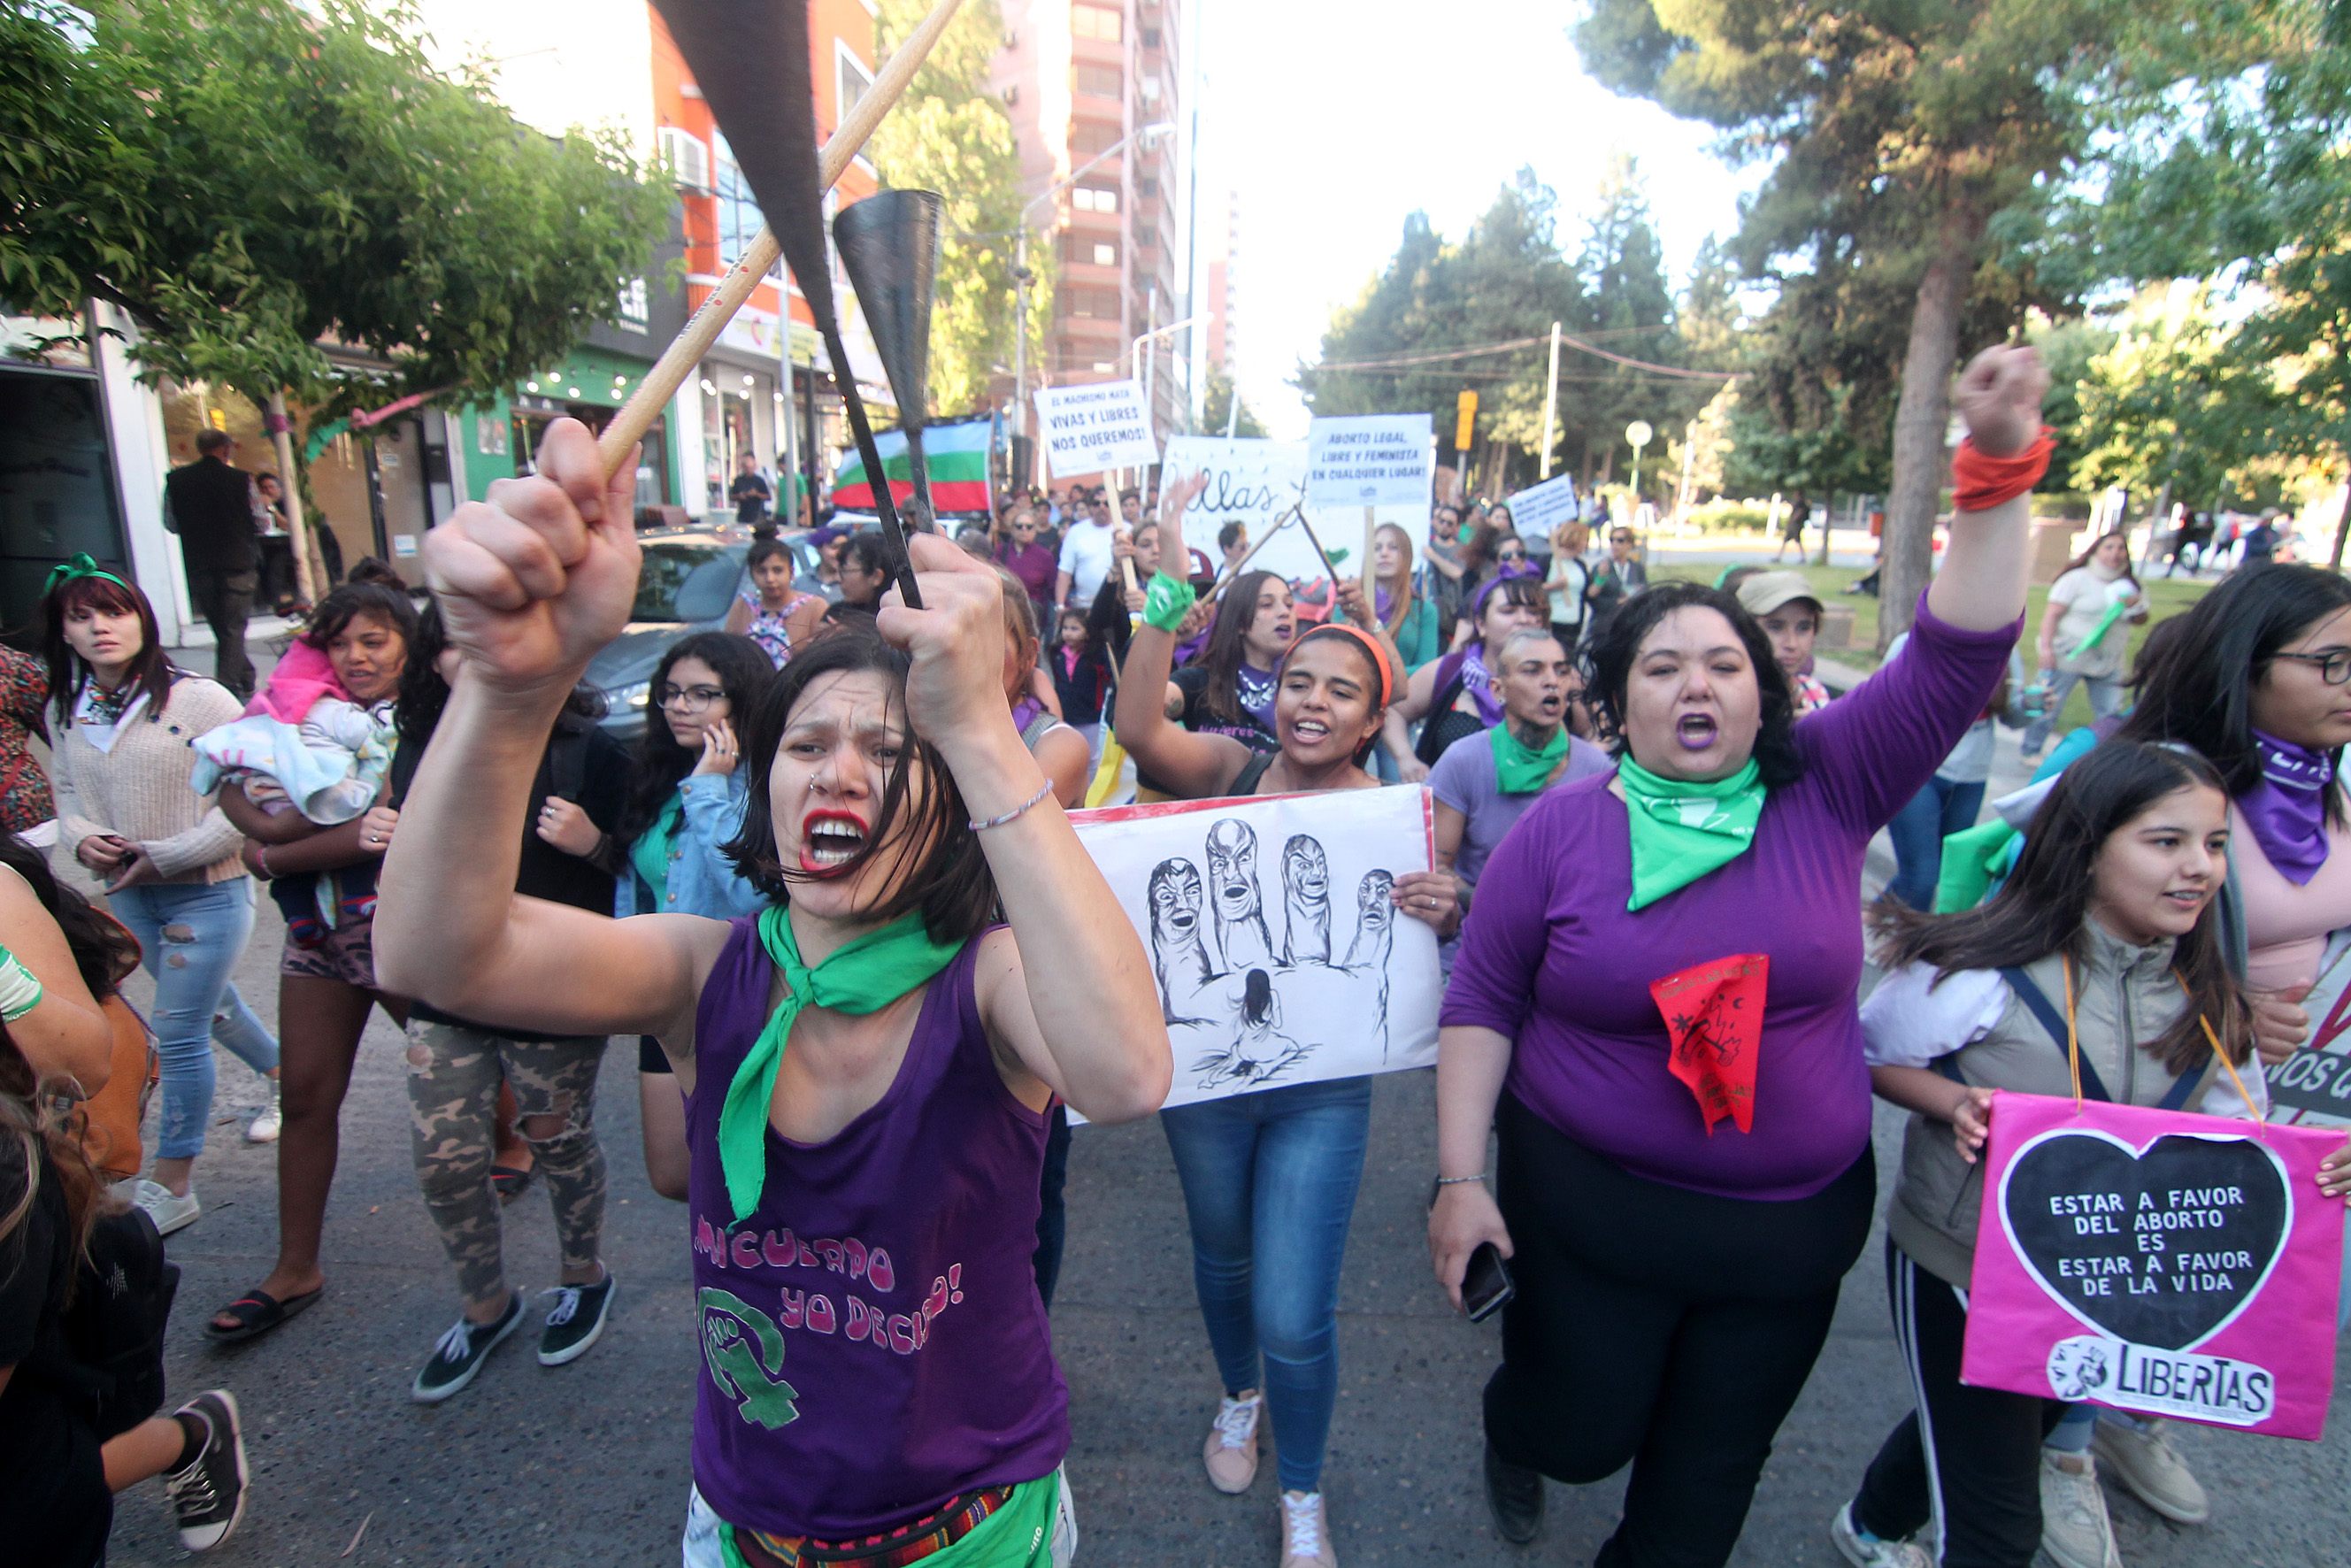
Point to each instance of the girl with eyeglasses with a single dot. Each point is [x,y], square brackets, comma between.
[2257,680]
[686,803]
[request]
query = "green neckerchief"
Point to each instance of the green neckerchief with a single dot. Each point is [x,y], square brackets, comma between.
[1516,769]
[1683,829]
[863,976]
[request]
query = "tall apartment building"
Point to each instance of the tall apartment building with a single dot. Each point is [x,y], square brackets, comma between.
[1220,270]
[1080,77]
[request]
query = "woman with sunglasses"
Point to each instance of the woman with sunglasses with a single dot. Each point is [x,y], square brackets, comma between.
[1269,1177]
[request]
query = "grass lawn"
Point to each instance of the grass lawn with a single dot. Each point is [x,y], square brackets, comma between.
[2169,597]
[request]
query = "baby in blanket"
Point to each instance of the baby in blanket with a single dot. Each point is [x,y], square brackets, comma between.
[303,744]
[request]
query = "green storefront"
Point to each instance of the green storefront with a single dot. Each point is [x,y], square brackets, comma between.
[497,440]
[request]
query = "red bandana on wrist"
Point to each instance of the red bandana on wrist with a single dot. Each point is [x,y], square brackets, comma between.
[1714,1013]
[1980,481]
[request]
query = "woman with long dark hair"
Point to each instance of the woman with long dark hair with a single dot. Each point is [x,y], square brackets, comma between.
[326,989]
[125,720]
[2257,679]
[865,573]
[1230,691]
[1269,1176]
[868,1060]
[686,801]
[1655,1005]
[2084,633]
[2103,941]
[465,1079]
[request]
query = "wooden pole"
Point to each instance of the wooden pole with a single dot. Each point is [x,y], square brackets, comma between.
[1370,583]
[289,484]
[1226,576]
[678,360]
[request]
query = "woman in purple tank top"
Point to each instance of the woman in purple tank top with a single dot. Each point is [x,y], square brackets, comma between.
[868,1064]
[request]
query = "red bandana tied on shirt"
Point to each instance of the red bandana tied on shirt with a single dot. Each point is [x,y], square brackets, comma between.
[1714,1014]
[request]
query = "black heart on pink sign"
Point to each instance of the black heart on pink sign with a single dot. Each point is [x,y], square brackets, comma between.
[2161,1247]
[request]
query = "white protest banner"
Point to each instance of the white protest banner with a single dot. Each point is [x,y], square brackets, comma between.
[1369,460]
[1256,483]
[1278,952]
[1539,508]
[1088,429]
[2313,1086]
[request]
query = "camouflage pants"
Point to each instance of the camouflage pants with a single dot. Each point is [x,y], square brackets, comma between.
[453,1075]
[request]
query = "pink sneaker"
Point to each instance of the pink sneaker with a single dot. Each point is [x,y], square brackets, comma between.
[1231,1450]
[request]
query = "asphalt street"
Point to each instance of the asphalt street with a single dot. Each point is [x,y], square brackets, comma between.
[587,1464]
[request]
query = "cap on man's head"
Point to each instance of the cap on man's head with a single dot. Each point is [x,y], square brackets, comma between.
[1769,590]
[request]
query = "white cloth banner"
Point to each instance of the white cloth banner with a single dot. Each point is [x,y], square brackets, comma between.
[1275,943]
[1256,483]
[1370,460]
[1088,429]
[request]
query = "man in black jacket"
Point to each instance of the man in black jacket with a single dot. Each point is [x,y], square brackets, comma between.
[209,505]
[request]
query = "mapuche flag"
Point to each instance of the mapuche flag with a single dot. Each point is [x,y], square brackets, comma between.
[957,455]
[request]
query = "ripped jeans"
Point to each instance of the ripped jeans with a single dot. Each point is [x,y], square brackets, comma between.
[191,935]
[454,1073]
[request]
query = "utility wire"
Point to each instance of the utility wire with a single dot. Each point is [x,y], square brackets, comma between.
[1442,355]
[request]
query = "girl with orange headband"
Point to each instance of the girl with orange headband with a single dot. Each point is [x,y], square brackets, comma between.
[1269,1177]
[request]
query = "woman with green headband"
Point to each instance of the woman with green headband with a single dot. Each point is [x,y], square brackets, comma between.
[868,1064]
[1654,1007]
[125,718]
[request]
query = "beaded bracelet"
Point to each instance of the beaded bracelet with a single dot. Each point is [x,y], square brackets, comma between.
[1021,809]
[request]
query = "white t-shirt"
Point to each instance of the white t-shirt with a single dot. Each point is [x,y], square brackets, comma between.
[1910,1022]
[2086,598]
[1086,557]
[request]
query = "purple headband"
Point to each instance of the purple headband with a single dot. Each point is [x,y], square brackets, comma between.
[1486,589]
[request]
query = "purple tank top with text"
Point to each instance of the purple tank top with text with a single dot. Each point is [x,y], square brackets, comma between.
[873,1342]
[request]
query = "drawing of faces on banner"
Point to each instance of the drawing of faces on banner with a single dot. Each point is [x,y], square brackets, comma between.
[1273,934]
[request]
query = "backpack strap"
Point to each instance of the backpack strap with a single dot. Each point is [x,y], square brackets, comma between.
[2036,1002]
[1245,783]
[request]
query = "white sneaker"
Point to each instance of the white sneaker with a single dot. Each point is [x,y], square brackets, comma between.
[1874,1553]
[2074,1530]
[169,1213]
[1231,1450]
[1305,1534]
[2146,1464]
[265,1128]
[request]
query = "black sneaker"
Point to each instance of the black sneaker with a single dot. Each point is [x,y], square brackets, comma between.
[208,1492]
[575,1322]
[461,1352]
[1515,1493]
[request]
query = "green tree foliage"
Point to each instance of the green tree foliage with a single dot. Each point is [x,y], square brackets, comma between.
[1218,409]
[1901,131]
[249,178]
[1506,282]
[951,134]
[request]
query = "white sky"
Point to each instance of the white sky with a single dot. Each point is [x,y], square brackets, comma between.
[1333,122]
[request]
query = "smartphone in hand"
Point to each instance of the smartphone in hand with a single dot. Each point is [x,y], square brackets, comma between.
[1485,1284]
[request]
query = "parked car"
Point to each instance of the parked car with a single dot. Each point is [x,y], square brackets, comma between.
[688,578]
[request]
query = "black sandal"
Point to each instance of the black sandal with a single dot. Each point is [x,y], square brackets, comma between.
[257,1313]
[510,1182]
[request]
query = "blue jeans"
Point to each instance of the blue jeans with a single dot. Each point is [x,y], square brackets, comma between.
[1270,1185]
[2106,695]
[1919,830]
[192,934]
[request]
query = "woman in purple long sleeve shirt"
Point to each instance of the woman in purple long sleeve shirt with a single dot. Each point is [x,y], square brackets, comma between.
[1654,1004]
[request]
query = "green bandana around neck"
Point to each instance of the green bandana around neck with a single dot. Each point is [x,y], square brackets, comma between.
[1683,829]
[1519,771]
[863,976]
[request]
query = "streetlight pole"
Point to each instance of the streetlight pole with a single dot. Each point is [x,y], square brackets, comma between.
[1550,398]
[1022,278]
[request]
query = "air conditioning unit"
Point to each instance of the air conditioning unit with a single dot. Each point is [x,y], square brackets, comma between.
[1012,95]
[1150,86]
[688,157]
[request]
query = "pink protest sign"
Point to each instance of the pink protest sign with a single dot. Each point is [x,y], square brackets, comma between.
[2159,1262]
